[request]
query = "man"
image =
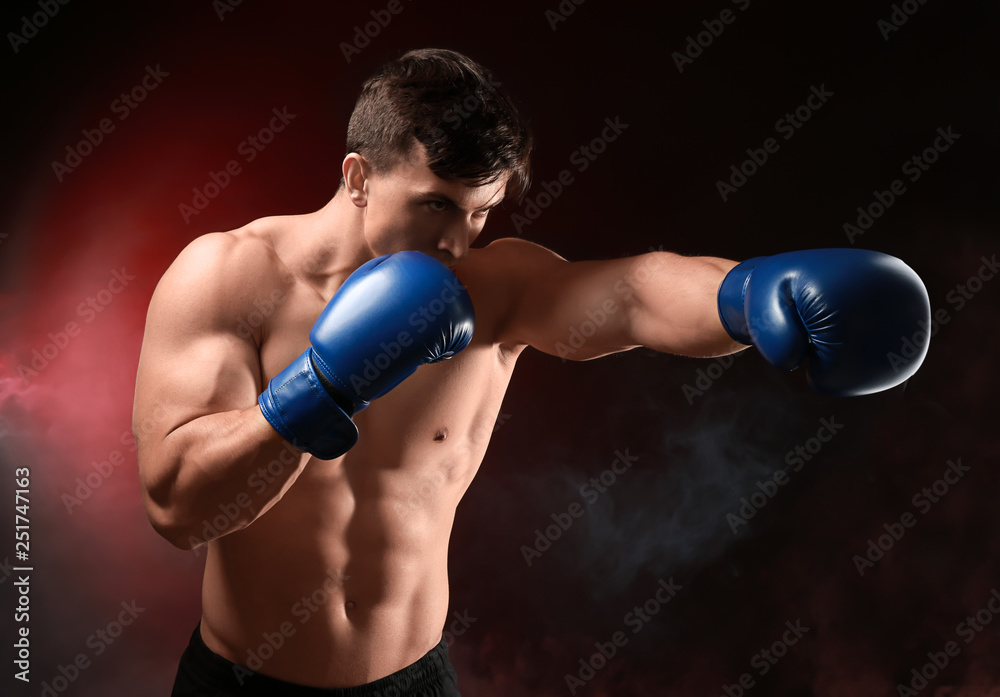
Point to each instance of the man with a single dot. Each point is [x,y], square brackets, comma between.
[284,355]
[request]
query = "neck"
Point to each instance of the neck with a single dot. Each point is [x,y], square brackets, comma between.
[330,244]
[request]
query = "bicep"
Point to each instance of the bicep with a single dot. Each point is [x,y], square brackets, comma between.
[575,310]
[582,310]
[676,306]
[189,371]
[193,362]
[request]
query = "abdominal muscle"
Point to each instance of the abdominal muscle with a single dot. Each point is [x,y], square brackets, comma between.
[348,571]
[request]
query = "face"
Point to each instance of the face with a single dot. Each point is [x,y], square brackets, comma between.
[410,207]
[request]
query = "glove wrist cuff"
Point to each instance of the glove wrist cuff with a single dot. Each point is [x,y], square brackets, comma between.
[298,407]
[731,296]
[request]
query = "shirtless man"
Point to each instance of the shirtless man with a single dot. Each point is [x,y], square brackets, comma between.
[325,568]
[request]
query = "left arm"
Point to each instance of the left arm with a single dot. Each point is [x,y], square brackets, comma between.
[857,319]
[582,310]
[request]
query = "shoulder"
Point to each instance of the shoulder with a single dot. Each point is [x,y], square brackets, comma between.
[499,277]
[508,263]
[219,255]
[511,254]
[220,261]
[218,274]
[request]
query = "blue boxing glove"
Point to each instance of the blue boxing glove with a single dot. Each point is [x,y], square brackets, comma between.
[846,312]
[392,315]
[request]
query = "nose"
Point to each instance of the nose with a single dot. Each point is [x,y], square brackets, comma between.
[456,243]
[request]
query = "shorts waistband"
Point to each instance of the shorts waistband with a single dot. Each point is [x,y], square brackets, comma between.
[424,674]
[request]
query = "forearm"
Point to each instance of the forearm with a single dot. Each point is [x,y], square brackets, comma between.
[232,463]
[674,306]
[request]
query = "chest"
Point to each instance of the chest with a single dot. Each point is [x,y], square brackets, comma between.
[446,406]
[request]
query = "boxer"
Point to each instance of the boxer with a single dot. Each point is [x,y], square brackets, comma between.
[329,381]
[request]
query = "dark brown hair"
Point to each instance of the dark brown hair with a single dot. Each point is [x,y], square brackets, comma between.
[466,122]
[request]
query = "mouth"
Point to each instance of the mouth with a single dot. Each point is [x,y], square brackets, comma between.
[448,260]
[451,262]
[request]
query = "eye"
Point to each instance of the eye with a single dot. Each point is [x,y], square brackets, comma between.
[437,206]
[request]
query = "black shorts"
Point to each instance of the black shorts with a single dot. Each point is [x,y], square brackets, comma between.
[204,673]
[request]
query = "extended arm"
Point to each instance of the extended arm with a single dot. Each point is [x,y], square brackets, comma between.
[582,310]
[856,318]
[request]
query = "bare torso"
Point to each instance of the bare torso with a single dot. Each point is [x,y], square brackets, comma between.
[347,572]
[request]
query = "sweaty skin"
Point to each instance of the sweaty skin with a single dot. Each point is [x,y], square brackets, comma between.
[348,558]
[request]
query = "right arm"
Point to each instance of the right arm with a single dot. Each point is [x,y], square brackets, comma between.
[202,436]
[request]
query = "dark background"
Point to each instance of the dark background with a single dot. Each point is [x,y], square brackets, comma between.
[562,423]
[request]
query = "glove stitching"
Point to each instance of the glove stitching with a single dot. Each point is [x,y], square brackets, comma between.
[283,385]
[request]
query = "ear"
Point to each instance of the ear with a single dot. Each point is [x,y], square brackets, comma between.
[355,179]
